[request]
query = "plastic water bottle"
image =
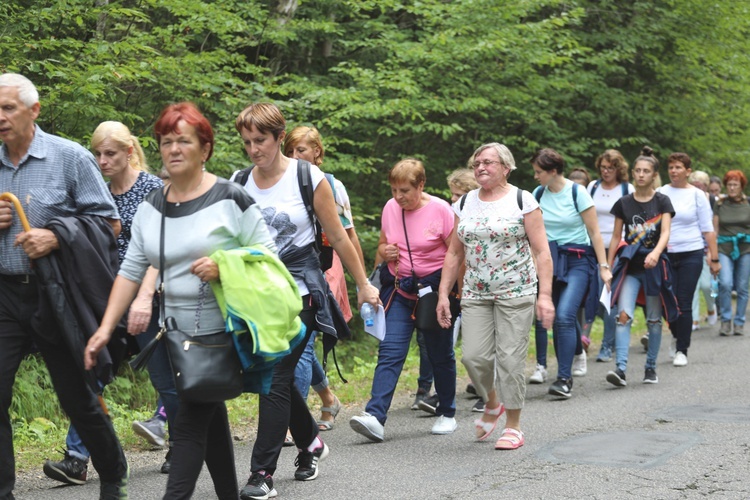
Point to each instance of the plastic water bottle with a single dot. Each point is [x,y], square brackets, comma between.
[714,287]
[368,314]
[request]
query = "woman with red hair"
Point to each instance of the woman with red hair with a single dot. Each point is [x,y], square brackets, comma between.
[732,225]
[202,214]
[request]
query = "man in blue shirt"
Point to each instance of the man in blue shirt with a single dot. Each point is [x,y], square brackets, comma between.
[52,177]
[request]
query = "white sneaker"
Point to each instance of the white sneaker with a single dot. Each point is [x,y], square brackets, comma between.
[444,425]
[579,365]
[712,318]
[673,348]
[539,376]
[696,325]
[368,426]
[680,359]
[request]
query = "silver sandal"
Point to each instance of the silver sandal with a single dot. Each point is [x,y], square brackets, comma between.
[327,425]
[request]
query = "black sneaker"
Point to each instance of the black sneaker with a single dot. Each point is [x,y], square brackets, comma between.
[478,406]
[421,396]
[115,491]
[259,487]
[471,389]
[561,387]
[429,405]
[617,378]
[650,377]
[307,463]
[167,463]
[69,470]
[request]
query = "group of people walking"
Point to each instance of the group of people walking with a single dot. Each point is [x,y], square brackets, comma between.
[515,259]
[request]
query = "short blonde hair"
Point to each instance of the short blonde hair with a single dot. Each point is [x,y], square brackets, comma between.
[462,179]
[120,134]
[310,135]
[408,170]
[506,157]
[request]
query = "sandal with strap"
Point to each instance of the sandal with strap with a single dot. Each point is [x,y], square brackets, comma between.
[484,429]
[327,425]
[510,440]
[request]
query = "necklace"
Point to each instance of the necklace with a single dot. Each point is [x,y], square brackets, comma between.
[177,204]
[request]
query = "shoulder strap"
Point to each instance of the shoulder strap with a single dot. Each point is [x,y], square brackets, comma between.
[519,198]
[624,186]
[330,179]
[575,195]
[462,202]
[595,187]
[304,179]
[538,194]
[243,175]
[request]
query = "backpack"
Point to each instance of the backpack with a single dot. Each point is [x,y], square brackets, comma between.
[304,180]
[539,193]
[623,185]
[519,200]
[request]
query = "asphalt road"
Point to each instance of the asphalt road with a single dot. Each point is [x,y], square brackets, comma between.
[686,437]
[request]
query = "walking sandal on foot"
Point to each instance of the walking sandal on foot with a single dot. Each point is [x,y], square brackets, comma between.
[484,429]
[510,440]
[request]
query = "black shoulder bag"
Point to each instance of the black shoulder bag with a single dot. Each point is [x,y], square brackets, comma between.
[425,314]
[206,368]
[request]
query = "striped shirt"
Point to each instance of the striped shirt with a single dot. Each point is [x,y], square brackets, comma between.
[56,178]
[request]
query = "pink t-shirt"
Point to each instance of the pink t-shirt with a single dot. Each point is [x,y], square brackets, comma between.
[428,228]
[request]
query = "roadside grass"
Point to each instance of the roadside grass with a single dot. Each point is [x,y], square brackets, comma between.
[40,425]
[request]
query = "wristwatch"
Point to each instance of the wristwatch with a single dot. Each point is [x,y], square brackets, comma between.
[605,266]
[715,260]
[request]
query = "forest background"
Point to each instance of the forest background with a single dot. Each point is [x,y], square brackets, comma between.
[387,79]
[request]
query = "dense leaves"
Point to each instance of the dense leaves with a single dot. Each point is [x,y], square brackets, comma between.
[388,79]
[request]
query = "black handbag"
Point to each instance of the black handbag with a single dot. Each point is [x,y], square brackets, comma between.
[206,368]
[425,315]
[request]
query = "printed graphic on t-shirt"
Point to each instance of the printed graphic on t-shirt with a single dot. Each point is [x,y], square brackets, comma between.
[284,227]
[647,231]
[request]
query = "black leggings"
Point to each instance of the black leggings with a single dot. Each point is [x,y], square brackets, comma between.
[284,407]
[201,432]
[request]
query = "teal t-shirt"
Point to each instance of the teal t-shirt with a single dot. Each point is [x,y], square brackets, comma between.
[561,220]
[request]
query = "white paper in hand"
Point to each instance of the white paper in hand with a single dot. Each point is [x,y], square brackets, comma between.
[606,298]
[377,329]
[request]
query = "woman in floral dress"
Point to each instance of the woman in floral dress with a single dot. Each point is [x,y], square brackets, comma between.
[499,234]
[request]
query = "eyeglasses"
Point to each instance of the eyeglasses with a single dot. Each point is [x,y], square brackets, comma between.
[486,163]
[609,168]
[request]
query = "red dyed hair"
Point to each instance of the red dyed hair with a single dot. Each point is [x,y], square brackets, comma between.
[190,114]
[735,175]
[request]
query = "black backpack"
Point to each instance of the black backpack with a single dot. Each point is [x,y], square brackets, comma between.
[304,179]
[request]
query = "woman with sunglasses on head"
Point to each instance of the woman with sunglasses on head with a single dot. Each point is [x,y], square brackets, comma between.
[304,143]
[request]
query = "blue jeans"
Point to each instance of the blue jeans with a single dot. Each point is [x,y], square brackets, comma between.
[704,286]
[425,368]
[734,273]
[392,354]
[567,298]
[686,269]
[631,285]
[309,372]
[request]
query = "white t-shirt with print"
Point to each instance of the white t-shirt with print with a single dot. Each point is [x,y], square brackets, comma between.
[284,211]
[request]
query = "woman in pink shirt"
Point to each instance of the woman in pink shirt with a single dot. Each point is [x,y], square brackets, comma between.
[416,229]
